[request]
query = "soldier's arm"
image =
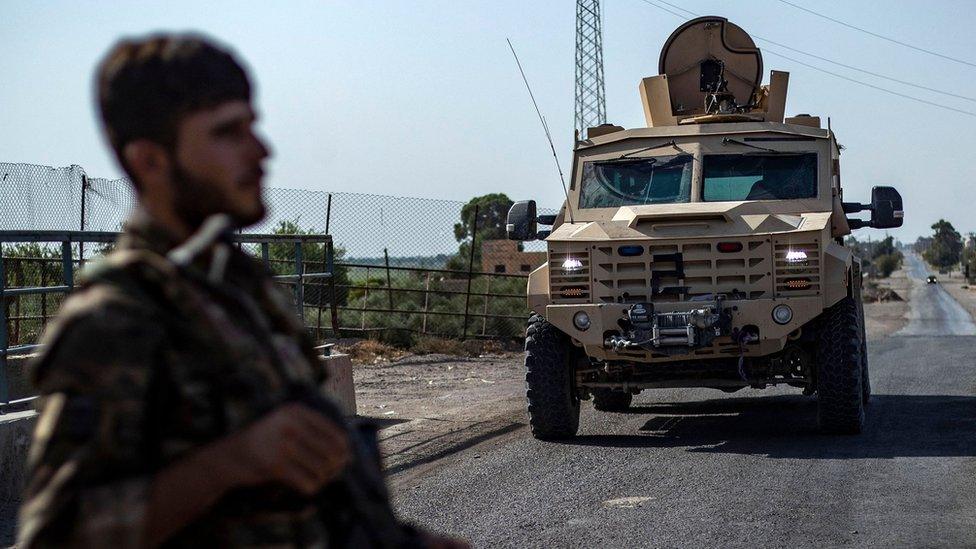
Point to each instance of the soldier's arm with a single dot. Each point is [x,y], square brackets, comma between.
[89,462]
[92,477]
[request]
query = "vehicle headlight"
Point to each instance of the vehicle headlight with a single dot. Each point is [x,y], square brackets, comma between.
[581,320]
[796,256]
[572,265]
[782,314]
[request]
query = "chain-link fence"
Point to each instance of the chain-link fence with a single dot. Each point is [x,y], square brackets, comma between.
[405,267]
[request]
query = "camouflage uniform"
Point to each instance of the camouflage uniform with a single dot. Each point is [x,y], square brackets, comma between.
[144,364]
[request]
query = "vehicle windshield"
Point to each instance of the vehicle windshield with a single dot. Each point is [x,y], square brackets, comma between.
[633,181]
[734,177]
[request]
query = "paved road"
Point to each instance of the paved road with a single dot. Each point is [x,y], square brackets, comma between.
[694,468]
[934,312]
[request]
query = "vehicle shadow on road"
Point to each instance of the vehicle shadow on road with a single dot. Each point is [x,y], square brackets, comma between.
[785,427]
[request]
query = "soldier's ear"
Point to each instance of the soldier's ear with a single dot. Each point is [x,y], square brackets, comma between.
[148,161]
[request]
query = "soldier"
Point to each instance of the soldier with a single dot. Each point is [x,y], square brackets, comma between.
[168,411]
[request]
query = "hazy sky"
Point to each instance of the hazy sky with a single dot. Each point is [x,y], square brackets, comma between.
[423,98]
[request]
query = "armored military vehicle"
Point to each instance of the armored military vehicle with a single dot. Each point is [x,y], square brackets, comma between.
[704,250]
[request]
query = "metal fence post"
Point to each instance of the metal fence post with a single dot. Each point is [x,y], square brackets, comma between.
[43,265]
[84,194]
[328,214]
[18,281]
[467,293]
[484,312]
[333,306]
[320,287]
[4,342]
[300,288]
[389,285]
[67,266]
[423,327]
[362,323]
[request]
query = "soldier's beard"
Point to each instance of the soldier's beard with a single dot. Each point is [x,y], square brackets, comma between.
[195,199]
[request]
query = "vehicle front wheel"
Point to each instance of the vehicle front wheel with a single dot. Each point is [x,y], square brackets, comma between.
[865,373]
[550,378]
[840,370]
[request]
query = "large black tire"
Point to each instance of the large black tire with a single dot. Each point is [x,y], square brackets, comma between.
[609,400]
[550,378]
[840,397]
[865,375]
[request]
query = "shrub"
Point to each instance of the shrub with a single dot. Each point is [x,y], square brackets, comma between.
[887,263]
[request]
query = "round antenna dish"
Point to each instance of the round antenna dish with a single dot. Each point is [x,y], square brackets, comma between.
[707,55]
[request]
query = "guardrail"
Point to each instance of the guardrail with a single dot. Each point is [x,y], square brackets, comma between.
[69,264]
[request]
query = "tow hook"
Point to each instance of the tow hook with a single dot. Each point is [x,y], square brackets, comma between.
[742,338]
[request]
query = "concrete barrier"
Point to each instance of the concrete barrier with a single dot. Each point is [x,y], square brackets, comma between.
[15,437]
[340,384]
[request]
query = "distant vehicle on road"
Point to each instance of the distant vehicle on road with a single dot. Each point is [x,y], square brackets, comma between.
[932,280]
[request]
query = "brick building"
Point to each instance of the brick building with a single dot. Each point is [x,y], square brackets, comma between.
[503,256]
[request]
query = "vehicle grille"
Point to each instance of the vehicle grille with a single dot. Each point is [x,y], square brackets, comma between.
[569,287]
[681,271]
[797,279]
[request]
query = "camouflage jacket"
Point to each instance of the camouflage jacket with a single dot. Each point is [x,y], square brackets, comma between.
[144,364]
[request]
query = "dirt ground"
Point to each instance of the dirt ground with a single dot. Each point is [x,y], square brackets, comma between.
[431,406]
[885,318]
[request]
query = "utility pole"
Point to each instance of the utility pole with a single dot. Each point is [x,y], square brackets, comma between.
[591,103]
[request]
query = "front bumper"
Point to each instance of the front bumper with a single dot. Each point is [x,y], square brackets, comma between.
[609,320]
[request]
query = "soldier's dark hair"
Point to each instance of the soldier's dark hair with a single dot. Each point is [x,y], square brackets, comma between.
[146,85]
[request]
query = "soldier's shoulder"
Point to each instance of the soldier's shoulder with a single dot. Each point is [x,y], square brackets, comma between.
[128,269]
[111,319]
[117,287]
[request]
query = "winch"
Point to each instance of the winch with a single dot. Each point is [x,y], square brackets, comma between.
[669,331]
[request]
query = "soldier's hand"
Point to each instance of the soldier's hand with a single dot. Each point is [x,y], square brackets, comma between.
[294,445]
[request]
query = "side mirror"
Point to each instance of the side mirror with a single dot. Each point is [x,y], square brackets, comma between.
[886,208]
[521,222]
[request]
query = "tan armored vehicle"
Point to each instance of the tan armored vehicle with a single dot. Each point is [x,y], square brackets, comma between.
[705,250]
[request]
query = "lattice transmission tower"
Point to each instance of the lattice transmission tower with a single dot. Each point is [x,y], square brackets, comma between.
[591,103]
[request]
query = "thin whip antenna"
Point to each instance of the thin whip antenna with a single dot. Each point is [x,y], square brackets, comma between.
[562,179]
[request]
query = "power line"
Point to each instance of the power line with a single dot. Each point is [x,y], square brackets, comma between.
[865,71]
[834,62]
[689,12]
[872,86]
[834,74]
[881,36]
[669,11]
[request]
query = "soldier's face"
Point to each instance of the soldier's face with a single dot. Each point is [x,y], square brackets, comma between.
[217,165]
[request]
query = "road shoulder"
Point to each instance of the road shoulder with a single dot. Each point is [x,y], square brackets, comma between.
[961,292]
[432,406]
[884,318]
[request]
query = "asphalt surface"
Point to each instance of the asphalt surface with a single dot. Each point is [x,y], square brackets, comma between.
[699,468]
[933,311]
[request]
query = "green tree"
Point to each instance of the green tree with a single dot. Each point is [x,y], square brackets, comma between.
[946,247]
[492,212]
[884,247]
[887,263]
[30,264]
[922,244]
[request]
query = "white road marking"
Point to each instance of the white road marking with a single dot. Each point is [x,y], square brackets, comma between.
[629,502]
